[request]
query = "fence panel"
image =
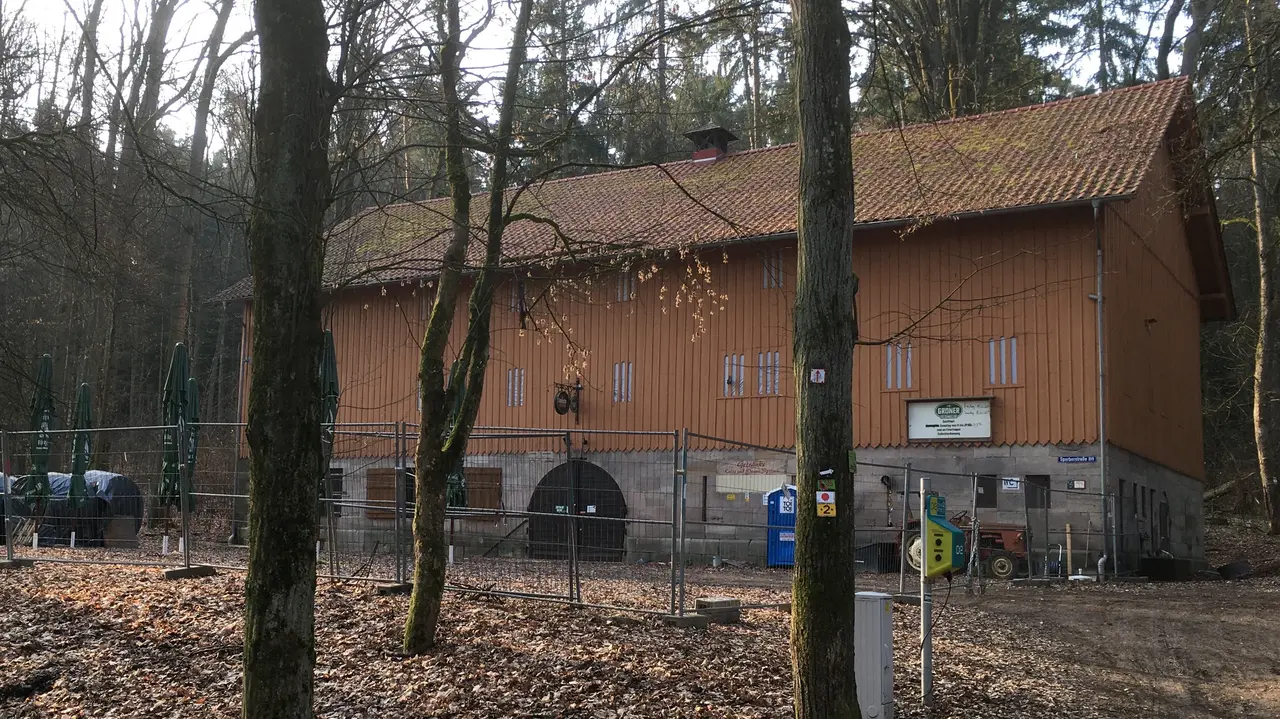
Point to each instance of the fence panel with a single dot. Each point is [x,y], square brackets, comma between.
[114,518]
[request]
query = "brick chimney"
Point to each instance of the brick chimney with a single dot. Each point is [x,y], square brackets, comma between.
[710,142]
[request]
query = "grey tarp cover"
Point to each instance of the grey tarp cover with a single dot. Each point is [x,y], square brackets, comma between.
[111,495]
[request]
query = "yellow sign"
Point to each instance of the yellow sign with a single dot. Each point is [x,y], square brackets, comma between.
[826,510]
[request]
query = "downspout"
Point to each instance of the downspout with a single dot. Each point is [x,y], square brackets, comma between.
[1102,393]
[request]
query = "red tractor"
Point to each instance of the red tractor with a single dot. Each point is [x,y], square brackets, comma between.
[1002,548]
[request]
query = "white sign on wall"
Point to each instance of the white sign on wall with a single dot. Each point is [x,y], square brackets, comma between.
[949,420]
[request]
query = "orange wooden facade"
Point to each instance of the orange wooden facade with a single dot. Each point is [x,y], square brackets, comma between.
[1152,320]
[949,288]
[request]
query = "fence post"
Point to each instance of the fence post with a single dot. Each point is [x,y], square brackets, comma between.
[684,513]
[902,531]
[399,447]
[6,471]
[975,541]
[184,494]
[675,516]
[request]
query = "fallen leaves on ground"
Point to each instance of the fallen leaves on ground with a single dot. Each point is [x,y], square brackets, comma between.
[98,641]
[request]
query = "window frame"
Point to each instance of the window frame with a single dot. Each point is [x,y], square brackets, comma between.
[626,289]
[1000,355]
[769,373]
[899,373]
[516,378]
[774,269]
[734,368]
[623,381]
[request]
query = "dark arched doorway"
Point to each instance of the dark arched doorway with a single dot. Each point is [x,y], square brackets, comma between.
[578,500]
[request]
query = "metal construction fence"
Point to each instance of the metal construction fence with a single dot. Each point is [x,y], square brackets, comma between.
[552,514]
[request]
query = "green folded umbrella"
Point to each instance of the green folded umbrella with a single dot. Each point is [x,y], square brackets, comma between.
[35,486]
[175,418]
[81,448]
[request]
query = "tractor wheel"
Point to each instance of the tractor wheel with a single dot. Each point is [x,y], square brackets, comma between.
[913,553]
[1002,565]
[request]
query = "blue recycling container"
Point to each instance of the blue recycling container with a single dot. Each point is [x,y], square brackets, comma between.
[781,546]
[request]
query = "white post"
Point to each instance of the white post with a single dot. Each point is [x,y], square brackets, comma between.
[317,552]
[164,544]
[451,555]
[73,540]
[35,540]
[926,603]
[182,546]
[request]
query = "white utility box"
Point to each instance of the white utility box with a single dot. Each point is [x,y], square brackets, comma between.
[873,653]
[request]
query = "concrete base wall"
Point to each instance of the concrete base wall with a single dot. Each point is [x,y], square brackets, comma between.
[731,523]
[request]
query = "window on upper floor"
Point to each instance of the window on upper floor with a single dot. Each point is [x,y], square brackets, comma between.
[623,380]
[898,370]
[626,286]
[515,387]
[1002,361]
[768,373]
[735,375]
[517,302]
[772,261]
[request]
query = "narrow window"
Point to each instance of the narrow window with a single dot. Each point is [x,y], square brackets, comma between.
[735,375]
[626,286]
[897,366]
[517,300]
[773,268]
[515,387]
[1002,361]
[623,381]
[768,373]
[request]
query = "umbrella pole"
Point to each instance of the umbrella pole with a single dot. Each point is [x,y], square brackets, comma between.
[184,495]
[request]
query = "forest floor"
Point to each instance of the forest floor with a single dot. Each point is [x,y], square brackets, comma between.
[99,641]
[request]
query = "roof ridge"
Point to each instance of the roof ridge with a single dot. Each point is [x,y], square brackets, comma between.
[1080,99]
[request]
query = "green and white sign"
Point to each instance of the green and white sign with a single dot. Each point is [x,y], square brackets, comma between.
[949,420]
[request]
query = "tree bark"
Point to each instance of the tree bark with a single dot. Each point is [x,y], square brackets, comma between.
[286,254]
[1266,373]
[1200,10]
[442,439]
[826,328]
[1166,39]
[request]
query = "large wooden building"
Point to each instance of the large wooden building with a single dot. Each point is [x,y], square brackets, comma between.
[1032,285]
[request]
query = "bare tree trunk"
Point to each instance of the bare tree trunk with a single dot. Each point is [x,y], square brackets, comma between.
[1166,39]
[825,331]
[1266,373]
[286,251]
[1191,45]
[431,467]
[440,445]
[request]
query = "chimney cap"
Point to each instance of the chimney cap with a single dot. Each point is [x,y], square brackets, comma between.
[711,135]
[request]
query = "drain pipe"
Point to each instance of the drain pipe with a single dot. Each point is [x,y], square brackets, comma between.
[1102,387]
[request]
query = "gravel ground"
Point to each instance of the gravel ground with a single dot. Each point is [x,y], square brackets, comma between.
[99,641]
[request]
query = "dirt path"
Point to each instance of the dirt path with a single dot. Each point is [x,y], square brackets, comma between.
[1192,650]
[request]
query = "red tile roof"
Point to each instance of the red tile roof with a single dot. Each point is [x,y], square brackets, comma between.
[1071,150]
